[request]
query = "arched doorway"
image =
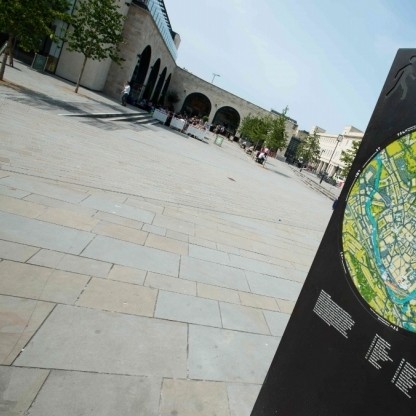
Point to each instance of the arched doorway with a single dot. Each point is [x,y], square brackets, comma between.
[196,104]
[163,95]
[156,93]
[227,117]
[152,80]
[139,75]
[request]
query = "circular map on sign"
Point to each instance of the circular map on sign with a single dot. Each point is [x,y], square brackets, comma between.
[379,233]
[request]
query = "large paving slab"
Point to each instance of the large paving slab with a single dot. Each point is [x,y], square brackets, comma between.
[28,281]
[18,389]
[75,338]
[17,252]
[32,232]
[109,295]
[213,274]
[132,255]
[167,244]
[10,191]
[71,263]
[224,355]
[193,397]
[120,232]
[217,293]
[262,284]
[97,395]
[242,318]
[254,265]
[208,254]
[40,187]
[187,308]
[171,284]
[258,301]
[122,210]
[68,218]
[20,207]
[277,322]
[241,398]
[127,274]
[174,224]
[19,320]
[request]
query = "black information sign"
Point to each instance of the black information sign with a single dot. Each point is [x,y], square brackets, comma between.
[350,345]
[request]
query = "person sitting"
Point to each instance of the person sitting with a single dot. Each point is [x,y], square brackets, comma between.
[261,158]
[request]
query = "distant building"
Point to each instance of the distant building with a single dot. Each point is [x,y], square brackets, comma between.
[332,146]
[294,142]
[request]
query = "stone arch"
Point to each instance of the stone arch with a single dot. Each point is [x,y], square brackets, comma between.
[196,104]
[139,74]
[228,117]
[151,80]
[156,93]
[165,89]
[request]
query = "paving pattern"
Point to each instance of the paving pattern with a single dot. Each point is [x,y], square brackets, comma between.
[142,272]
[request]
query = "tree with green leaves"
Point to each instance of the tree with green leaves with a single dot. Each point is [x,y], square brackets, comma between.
[276,137]
[254,128]
[29,22]
[309,150]
[96,32]
[348,156]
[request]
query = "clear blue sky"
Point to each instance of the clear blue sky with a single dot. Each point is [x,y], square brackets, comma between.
[326,59]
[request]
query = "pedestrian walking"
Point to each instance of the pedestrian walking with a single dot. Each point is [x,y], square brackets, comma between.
[125,93]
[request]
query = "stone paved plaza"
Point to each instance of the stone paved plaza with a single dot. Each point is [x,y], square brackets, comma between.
[142,272]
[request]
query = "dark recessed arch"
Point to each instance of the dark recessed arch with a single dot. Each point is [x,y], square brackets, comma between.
[156,93]
[165,89]
[196,104]
[227,117]
[139,74]
[151,80]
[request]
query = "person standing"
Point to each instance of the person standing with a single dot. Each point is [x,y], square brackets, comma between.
[125,93]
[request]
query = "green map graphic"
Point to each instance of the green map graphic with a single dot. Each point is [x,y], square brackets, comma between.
[379,231]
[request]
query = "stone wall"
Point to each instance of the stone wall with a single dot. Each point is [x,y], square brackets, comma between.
[185,83]
[139,31]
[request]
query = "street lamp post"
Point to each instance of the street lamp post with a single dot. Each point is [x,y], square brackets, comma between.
[339,140]
[213,77]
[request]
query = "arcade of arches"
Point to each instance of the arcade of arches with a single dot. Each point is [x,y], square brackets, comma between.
[151,83]
[197,104]
[156,87]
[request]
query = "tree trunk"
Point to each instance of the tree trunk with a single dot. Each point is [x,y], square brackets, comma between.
[80,75]
[3,62]
[11,49]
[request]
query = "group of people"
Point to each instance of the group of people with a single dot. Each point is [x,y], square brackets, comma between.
[193,120]
[261,155]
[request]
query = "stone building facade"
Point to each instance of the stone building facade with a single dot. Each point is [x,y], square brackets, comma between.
[149,54]
[199,97]
[332,146]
